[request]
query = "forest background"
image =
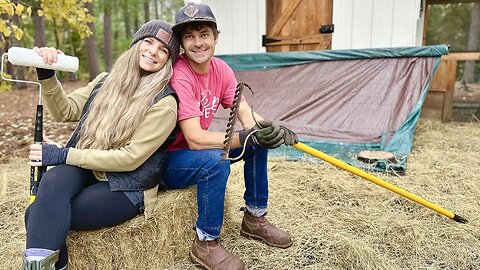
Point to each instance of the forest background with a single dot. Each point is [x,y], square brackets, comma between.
[97,31]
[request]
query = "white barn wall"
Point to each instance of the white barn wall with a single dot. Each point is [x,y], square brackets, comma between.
[358,24]
[376,23]
[381,30]
[241,25]
[420,24]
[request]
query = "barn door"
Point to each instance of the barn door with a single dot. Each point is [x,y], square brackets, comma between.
[298,25]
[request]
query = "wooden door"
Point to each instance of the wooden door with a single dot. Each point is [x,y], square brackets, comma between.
[298,25]
[439,101]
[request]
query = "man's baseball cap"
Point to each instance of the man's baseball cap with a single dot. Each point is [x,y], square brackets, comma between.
[193,12]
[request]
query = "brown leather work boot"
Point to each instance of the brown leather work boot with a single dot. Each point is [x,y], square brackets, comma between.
[259,228]
[211,255]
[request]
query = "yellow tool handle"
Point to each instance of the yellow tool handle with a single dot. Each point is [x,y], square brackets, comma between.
[342,165]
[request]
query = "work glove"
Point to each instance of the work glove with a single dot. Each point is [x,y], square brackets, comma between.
[269,135]
[289,138]
[53,155]
[43,74]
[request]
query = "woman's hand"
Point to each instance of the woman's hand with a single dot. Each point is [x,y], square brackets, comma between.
[49,54]
[35,154]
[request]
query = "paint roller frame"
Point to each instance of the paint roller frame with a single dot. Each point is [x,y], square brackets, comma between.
[36,173]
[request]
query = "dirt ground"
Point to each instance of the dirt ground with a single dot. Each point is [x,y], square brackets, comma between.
[17,114]
[467,93]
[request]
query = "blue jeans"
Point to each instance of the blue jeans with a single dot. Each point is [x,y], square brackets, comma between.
[206,169]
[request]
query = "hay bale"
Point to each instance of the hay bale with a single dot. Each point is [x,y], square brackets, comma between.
[152,244]
[156,243]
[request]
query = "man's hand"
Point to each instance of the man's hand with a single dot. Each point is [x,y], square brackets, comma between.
[269,135]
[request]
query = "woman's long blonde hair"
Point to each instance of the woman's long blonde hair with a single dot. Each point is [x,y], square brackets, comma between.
[121,102]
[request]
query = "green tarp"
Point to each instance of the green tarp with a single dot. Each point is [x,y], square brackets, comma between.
[341,101]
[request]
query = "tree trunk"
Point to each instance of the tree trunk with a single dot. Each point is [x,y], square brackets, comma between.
[126,18]
[39,26]
[92,58]
[18,70]
[136,20]
[469,72]
[6,44]
[156,9]
[2,46]
[55,34]
[146,10]
[107,36]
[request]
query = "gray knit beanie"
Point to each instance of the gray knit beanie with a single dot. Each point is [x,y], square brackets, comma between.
[162,31]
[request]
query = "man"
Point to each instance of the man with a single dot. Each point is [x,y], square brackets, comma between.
[203,82]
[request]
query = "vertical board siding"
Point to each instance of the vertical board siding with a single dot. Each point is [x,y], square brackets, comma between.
[382,23]
[239,22]
[405,22]
[362,23]
[342,19]
[241,25]
[376,23]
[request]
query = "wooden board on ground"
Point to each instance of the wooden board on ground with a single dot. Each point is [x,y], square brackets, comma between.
[374,156]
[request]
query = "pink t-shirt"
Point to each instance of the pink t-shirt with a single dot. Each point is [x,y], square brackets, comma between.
[200,94]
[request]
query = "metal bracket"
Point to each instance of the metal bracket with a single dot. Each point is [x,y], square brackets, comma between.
[266,40]
[21,81]
[326,29]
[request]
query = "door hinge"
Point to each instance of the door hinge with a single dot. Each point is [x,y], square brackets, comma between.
[266,40]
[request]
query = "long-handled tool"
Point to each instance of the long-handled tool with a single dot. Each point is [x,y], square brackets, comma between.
[327,158]
[27,57]
[342,165]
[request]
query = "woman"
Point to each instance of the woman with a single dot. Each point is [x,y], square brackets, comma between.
[111,168]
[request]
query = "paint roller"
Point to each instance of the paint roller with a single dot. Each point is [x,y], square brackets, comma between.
[28,57]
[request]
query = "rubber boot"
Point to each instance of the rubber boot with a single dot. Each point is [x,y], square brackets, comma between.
[47,263]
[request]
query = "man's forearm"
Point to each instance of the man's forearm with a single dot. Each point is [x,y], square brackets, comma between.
[210,139]
[245,116]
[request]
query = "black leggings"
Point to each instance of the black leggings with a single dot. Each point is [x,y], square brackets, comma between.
[71,198]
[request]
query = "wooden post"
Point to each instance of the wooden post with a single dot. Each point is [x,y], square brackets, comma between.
[449,90]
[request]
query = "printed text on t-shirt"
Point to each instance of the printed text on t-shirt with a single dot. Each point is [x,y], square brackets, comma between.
[209,107]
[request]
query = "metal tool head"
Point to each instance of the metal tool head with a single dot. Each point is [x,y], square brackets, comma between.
[20,81]
[459,219]
[232,119]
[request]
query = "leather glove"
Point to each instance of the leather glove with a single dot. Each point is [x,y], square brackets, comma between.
[53,155]
[264,134]
[289,137]
[269,135]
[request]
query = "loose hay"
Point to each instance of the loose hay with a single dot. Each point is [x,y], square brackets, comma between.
[337,220]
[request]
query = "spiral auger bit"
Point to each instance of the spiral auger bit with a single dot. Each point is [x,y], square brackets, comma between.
[232,119]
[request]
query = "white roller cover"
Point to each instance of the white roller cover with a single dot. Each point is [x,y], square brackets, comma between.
[28,57]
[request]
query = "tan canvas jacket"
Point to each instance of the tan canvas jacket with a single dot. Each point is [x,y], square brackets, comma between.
[157,124]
